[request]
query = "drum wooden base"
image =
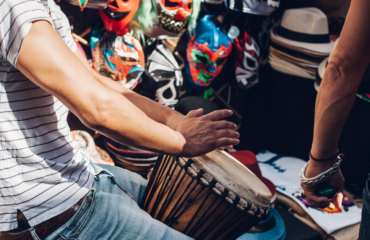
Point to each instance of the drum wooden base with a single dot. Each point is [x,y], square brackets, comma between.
[184,198]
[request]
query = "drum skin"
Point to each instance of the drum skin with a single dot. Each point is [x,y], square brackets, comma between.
[190,201]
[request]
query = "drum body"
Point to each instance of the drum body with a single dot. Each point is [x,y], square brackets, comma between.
[185,195]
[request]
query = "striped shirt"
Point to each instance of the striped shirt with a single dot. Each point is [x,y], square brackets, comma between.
[42,173]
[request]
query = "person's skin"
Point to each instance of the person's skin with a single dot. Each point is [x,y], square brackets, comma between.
[336,97]
[115,112]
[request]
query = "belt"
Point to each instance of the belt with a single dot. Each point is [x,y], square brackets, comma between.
[43,229]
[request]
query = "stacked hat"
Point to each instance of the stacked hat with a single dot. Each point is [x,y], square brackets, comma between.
[131,158]
[273,227]
[363,91]
[300,42]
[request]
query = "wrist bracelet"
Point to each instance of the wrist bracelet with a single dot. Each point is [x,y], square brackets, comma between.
[322,176]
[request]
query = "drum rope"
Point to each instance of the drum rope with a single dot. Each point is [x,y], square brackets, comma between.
[170,217]
[163,188]
[199,208]
[171,193]
[154,183]
[191,200]
[195,229]
[211,226]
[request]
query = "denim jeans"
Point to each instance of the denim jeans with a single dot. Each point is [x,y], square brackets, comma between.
[365,221]
[111,211]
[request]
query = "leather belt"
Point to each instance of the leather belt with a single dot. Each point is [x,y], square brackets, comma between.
[43,229]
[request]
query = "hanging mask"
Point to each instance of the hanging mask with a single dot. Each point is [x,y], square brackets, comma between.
[247,59]
[120,58]
[118,15]
[97,4]
[206,54]
[163,74]
[162,19]
[257,7]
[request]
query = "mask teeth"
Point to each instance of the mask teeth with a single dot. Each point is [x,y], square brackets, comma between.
[170,24]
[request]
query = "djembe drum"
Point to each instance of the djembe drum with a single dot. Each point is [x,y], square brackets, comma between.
[208,197]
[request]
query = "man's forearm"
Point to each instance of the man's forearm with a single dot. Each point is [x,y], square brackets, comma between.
[152,109]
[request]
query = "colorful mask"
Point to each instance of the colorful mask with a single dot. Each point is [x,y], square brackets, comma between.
[98,4]
[206,54]
[258,7]
[167,18]
[118,14]
[120,58]
[247,60]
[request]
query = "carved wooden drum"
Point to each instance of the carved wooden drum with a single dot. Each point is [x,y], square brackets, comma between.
[208,197]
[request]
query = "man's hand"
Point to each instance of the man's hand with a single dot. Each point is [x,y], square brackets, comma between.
[336,180]
[203,134]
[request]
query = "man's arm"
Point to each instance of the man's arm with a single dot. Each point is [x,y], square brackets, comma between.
[336,96]
[152,109]
[46,60]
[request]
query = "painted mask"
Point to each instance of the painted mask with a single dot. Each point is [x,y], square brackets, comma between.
[164,75]
[206,54]
[120,58]
[247,59]
[171,17]
[98,4]
[257,7]
[118,15]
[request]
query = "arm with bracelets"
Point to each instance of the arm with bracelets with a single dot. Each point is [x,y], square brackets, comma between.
[335,99]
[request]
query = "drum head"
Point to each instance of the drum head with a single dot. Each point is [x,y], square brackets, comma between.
[234,176]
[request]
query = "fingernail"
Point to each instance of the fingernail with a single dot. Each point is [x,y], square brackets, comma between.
[235,126]
[229,111]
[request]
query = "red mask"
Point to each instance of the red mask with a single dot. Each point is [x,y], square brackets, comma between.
[118,14]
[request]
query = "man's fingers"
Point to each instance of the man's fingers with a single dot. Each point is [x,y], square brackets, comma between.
[218,114]
[230,147]
[225,125]
[227,133]
[226,142]
[195,113]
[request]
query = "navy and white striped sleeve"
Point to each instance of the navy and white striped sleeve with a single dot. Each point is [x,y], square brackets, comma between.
[62,26]
[16,17]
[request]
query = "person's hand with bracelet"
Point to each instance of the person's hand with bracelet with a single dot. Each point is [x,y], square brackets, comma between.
[315,167]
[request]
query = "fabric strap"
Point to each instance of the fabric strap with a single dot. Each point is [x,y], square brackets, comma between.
[303,37]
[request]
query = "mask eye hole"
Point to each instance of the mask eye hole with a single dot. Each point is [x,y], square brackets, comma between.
[171,4]
[189,6]
[220,61]
[114,4]
[251,63]
[202,59]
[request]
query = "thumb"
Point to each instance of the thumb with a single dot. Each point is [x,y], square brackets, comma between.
[338,199]
[195,113]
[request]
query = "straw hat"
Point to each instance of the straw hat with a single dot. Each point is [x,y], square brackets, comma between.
[304,28]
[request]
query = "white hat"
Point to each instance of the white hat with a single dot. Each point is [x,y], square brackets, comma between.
[304,28]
